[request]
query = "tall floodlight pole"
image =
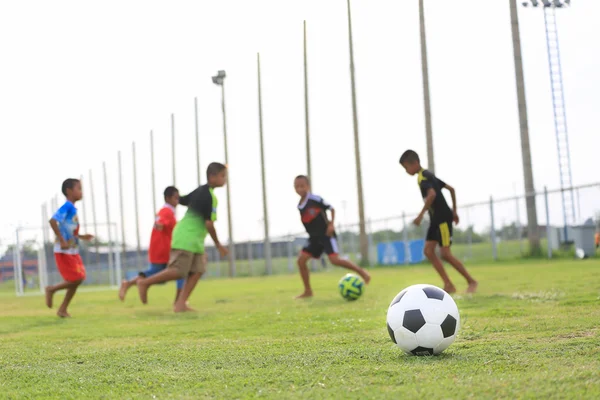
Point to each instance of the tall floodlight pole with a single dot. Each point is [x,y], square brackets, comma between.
[267,252]
[197,141]
[122,209]
[137,214]
[153,175]
[306,110]
[364,240]
[219,80]
[426,97]
[532,224]
[559,108]
[173,144]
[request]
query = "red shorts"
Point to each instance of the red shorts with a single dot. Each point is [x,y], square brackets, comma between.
[70,266]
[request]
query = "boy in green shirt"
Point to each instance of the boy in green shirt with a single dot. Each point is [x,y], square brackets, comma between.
[188,260]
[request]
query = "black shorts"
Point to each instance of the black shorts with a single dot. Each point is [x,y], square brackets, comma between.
[317,245]
[440,232]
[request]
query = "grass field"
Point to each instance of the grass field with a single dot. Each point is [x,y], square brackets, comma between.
[531,332]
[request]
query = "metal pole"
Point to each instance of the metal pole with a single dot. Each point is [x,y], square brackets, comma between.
[364,241]
[84,222]
[197,140]
[228,189]
[268,261]
[94,221]
[493,230]
[19,266]
[426,97]
[306,110]
[548,229]
[111,275]
[173,144]
[137,214]
[154,209]
[122,210]
[532,224]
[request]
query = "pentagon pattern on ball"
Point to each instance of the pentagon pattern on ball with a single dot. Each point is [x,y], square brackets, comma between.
[433,293]
[413,320]
[448,326]
[422,351]
[398,298]
[391,332]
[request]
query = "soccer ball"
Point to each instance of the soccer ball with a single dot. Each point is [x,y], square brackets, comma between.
[423,320]
[351,286]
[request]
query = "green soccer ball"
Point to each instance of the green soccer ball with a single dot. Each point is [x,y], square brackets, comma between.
[351,287]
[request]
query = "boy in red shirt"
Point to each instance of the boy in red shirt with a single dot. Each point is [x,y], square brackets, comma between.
[160,243]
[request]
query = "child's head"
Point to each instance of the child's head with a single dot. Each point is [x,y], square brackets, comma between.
[216,174]
[171,195]
[410,161]
[71,188]
[302,185]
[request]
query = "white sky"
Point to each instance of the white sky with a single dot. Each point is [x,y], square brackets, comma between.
[81,80]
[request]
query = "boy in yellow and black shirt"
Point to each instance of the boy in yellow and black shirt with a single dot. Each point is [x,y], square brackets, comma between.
[441,219]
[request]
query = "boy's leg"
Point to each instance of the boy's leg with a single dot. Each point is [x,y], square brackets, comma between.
[153,269]
[430,246]
[62,310]
[304,272]
[50,290]
[73,272]
[197,269]
[180,284]
[455,262]
[178,267]
[331,248]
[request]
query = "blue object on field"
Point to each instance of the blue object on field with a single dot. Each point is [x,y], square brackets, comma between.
[394,253]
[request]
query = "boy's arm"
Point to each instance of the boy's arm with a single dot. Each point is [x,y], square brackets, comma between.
[428,202]
[453,195]
[203,204]
[54,226]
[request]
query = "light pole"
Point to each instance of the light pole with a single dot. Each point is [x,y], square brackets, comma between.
[219,80]
[269,266]
[426,97]
[306,110]
[558,107]
[532,225]
[364,240]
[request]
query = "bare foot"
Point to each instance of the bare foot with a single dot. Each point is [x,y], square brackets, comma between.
[450,289]
[143,291]
[49,295]
[180,308]
[63,314]
[472,287]
[190,309]
[123,290]
[305,295]
[366,276]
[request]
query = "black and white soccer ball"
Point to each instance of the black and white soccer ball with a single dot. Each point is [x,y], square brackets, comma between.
[423,320]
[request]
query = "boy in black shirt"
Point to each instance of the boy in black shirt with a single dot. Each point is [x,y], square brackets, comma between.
[321,232]
[441,218]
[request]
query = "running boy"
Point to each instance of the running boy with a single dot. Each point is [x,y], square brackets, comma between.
[441,218]
[321,234]
[65,225]
[160,243]
[187,259]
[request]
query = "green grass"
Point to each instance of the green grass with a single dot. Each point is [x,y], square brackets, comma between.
[531,332]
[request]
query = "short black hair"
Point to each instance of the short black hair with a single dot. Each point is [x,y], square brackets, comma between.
[214,168]
[170,191]
[303,177]
[69,184]
[409,156]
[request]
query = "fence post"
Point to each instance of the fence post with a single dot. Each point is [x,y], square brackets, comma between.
[405,239]
[290,254]
[519,228]
[250,266]
[469,236]
[370,242]
[548,229]
[18,266]
[493,231]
